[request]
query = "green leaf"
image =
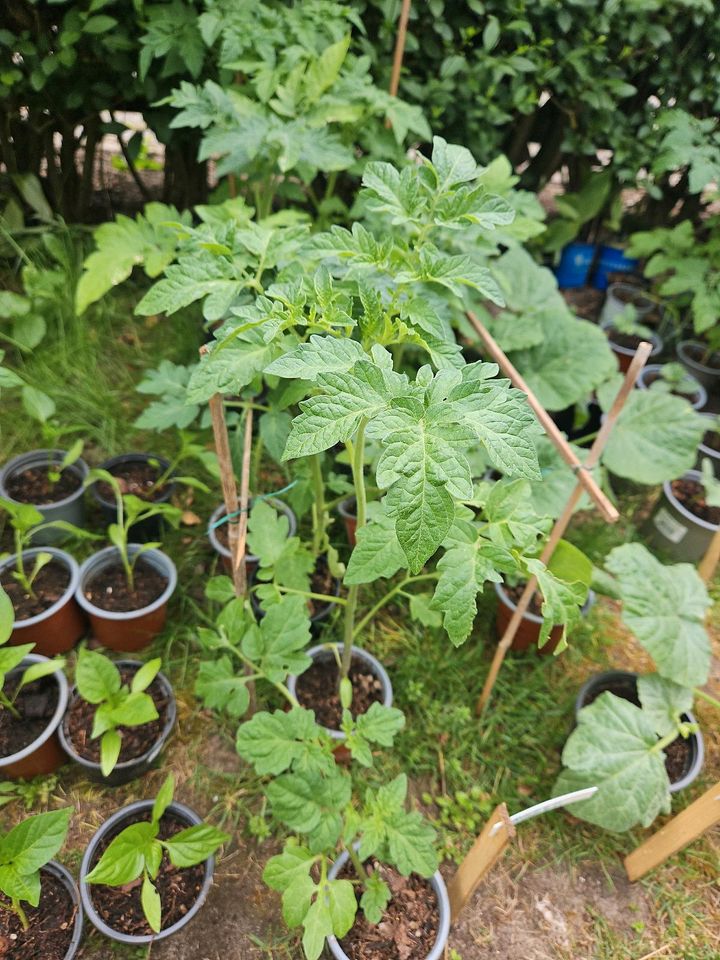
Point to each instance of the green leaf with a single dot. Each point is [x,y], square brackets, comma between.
[422,611]
[311,805]
[380,724]
[377,552]
[221,687]
[124,859]
[453,164]
[317,927]
[665,607]
[145,675]
[318,355]
[109,751]
[37,404]
[561,600]
[34,841]
[194,844]
[96,676]
[273,742]
[278,645]
[163,799]
[274,430]
[7,617]
[375,898]
[663,702]
[283,869]
[150,900]
[25,886]
[268,531]
[228,369]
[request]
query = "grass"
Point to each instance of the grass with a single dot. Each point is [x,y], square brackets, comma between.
[460,766]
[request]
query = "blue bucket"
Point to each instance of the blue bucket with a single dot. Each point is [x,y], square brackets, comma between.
[611,260]
[575,263]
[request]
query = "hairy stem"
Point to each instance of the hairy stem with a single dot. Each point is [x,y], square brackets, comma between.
[319,510]
[358,453]
[398,588]
[357,863]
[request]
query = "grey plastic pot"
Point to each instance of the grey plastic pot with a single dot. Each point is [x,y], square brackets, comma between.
[127,770]
[251,561]
[443,901]
[44,755]
[709,377]
[129,630]
[70,509]
[654,370]
[614,304]
[677,531]
[112,826]
[324,651]
[705,452]
[146,530]
[624,685]
[66,878]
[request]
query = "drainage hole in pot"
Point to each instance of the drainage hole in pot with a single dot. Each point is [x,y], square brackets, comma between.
[50,925]
[692,496]
[317,689]
[409,927]
[139,479]
[36,703]
[48,587]
[136,741]
[108,589]
[179,888]
[35,486]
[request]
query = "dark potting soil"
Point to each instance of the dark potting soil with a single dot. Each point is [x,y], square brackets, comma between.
[584,301]
[136,478]
[516,592]
[409,927]
[108,589]
[36,704]
[35,486]
[692,496]
[50,925]
[700,355]
[136,741]
[50,584]
[321,581]
[317,689]
[634,296]
[628,340]
[711,439]
[691,396]
[179,887]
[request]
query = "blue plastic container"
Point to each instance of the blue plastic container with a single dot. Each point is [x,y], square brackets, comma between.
[611,260]
[575,263]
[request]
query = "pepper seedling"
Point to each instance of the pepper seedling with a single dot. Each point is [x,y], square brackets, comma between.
[189,449]
[24,851]
[12,656]
[138,851]
[99,682]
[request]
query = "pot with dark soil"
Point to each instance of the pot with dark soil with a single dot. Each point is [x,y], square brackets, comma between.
[709,448]
[683,523]
[143,475]
[58,493]
[322,584]
[317,687]
[617,298]
[701,362]
[120,696]
[415,923]
[29,744]
[55,926]
[683,757]
[624,345]
[687,386]
[348,511]
[218,534]
[47,614]
[125,616]
[528,632]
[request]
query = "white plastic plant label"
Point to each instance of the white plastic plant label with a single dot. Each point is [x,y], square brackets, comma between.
[668,526]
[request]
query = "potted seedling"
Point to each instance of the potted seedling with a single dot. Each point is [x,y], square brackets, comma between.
[119,717]
[148,870]
[39,889]
[636,738]
[41,583]
[709,447]
[617,298]
[702,358]
[625,334]
[673,378]
[218,531]
[33,697]
[687,515]
[124,589]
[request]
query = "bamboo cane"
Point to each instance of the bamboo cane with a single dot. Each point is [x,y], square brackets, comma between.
[399,48]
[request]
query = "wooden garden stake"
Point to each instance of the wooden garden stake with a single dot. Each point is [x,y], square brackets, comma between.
[708,564]
[561,524]
[678,833]
[399,48]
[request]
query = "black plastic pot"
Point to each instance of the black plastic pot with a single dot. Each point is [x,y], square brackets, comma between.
[147,530]
[675,530]
[624,685]
[316,620]
[128,769]
[112,826]
[707,452]
[251,561]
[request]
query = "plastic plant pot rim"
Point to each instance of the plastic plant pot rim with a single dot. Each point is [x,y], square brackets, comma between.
[249,557]
[708,451]
[699,390]
[54,723]
[44,458]
[68,881]
[347,508]
[681,508]
[162,563]
[70,591]
[533,617]
[131,458]
[377,668]
[443,901]
[686,358]
[655,339]
[612,289]
[149,755]
[126,813]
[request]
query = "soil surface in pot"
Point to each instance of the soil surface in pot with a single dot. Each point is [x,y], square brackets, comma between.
[585,301]
[516,592]
[36,704]
[49,585]
[108,589]
[136,741]
[136,478]
[50,925]
[691,495]
[409,927]
[700,355]
[179,888]
[711,439]
[321,581]
[34,485]
[628,340]
[317,690]
[692,396]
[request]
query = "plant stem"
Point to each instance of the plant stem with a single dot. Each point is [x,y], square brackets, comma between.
[398,588]
[665,741]
[20,913]
[312,596]
[706,696]
[7,704]
[357,863]
[358,453]
[319,510]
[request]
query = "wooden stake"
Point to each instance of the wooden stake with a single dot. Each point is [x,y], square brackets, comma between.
[678,833]
[485,853]
[708,564]
[399,48]
[230,495]
[561,524]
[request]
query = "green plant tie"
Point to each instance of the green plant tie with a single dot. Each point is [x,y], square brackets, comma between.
[262,496]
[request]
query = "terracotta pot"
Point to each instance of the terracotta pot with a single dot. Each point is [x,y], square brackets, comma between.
[347,510]
[44,755]
[57,629]
[133,629]
[624,355]
[529,630]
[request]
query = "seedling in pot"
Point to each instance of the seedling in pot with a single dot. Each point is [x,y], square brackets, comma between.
[24,851]
[710,483]
[674,378]
[626,323]
[189,449]
[99,682]
[138,852]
